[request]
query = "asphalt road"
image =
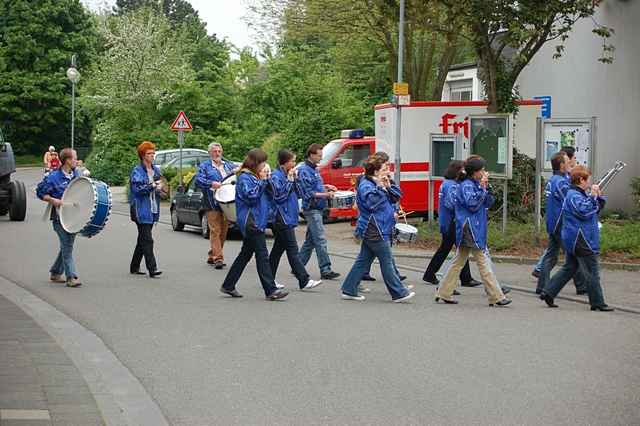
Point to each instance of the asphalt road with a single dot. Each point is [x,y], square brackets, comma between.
[314,359]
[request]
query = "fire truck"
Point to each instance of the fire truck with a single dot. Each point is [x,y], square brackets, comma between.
[429,131]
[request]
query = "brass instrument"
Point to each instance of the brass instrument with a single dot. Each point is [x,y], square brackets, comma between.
[605,180]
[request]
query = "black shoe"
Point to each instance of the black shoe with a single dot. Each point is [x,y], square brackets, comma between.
[505,289]
[538,291]
[432,281]
[548,300]
[449,302]
[368,277]
[278,295]
[153,274]
[603,308]
[456,293]
[232,293]
[210,261]
[218,264]
[535,273]
[402,277]
[503,302]
[330,275]
[581,292]
[138,272]
[472,283]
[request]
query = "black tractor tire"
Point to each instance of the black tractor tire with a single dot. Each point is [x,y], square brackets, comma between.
[18,206]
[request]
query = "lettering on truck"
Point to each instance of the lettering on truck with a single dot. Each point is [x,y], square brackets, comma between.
[445,124]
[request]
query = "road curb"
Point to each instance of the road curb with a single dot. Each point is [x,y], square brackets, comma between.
[120,397]
[512,286]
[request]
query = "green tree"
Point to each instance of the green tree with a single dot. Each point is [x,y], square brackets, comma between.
[37,39]
[507,34]
[365,34]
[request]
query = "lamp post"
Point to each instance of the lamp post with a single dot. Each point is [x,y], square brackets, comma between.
[73,75]
[398,123]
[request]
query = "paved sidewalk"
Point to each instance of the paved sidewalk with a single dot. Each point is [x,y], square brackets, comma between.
[39,385]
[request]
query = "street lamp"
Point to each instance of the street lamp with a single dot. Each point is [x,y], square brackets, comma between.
[73,75]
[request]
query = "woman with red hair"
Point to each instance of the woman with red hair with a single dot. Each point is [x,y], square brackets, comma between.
[144,200]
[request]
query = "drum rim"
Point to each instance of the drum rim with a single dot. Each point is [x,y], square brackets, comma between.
[87,226]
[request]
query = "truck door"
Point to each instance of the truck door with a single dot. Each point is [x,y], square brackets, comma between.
[348,164]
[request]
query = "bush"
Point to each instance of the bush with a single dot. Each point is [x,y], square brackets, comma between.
[521,189]
[635,192]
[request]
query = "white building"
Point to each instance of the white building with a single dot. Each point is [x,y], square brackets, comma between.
[581,86]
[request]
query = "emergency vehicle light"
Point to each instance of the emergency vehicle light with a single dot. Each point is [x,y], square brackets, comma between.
[352,134]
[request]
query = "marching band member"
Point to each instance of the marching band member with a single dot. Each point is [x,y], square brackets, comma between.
[376,198]
[555,192]
[447,222]
[144,200]
[581,240]
[209,178]
[472,199]
[51,190]
[252,205]
[314,200]
[284,217]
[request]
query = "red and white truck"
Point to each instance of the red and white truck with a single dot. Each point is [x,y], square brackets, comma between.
[424,125]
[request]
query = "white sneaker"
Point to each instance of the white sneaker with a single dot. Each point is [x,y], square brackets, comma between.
[363,289]
[278,285]
[404,299]
[358,298]
[311,284]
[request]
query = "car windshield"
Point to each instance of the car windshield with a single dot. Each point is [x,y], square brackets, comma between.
[329,151]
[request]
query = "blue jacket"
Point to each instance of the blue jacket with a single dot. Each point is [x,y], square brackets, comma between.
[310,182]
[284,194]
[252,202]
[580,233]
[378,205]
[140,195]
[471,205]
[54,185]
[446,205]
[555,192]
[207,174]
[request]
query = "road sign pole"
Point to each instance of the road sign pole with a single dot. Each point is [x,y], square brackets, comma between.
[398,108]
[180,143]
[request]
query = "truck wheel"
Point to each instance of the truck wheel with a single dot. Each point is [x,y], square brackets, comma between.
[175,221]
[4,210]
[18,206]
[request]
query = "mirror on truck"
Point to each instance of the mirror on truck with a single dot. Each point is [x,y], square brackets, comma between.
[337,163]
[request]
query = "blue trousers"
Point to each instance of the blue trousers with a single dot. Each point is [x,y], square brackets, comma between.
[315,239]
[591,270]
[548,261]
[64,261]
[369,250]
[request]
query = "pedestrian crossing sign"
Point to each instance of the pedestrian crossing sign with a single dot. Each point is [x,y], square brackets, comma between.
[181,123]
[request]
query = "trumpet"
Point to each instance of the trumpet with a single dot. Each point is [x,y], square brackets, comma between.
[605,180]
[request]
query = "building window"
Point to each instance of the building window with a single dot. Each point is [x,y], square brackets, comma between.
[461,90]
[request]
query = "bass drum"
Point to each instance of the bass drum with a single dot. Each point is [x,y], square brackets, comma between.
[226,197]
[86,206]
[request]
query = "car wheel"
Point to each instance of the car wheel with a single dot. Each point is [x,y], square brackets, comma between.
[175,221]
[18,206]
[204,225]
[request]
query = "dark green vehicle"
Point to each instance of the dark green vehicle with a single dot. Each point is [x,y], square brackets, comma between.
[13,197]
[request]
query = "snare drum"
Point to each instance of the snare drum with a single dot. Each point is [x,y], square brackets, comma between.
[86,206]
[342,200]
[405,233]
[226,197]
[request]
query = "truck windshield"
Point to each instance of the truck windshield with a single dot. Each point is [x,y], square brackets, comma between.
[329,151]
